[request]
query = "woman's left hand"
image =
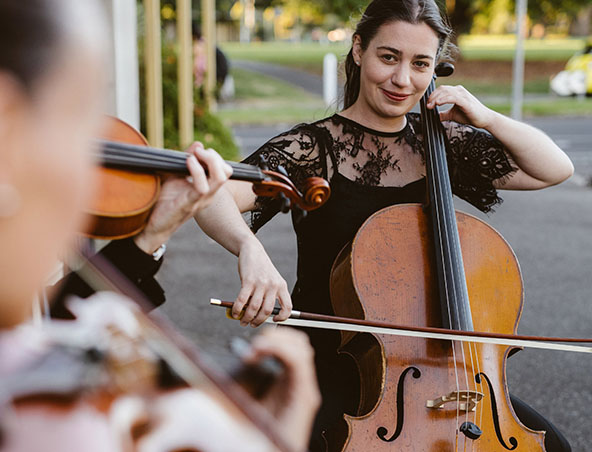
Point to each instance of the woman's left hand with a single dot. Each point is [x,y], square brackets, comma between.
[466,108]
[181,197]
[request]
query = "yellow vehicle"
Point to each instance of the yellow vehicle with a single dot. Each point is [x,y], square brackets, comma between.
[576,79]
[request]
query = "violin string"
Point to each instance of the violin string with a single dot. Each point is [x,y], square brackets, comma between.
[175,158]
[438,222]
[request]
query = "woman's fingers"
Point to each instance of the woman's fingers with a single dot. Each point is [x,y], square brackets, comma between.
[241,300]
[199,178]
[253,306]
[218,170]
[208,171]
[266,308]
[285,302]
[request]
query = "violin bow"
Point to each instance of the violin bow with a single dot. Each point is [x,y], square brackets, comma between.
[311,320]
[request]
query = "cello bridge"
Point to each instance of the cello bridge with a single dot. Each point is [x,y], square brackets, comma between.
[467,400]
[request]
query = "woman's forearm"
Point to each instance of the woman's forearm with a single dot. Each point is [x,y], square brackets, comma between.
[223,222]
[540,161]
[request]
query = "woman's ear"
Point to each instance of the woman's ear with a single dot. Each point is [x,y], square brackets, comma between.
[357,49]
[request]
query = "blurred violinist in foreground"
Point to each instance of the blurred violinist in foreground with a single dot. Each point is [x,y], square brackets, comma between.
[51,91]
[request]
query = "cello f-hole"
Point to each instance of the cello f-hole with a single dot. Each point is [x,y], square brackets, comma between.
[381,431]
[494,414]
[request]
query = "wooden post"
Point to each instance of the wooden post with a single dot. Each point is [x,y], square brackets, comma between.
[185,72]
[153,58]
[208,8]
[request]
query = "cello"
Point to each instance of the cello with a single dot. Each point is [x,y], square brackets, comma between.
[430,266]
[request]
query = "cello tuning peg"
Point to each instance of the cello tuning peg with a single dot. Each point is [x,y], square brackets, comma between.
[444,69]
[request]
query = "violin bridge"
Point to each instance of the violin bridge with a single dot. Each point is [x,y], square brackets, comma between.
[467,400]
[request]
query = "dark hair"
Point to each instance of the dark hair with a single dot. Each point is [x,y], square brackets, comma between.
[380,12]
[29,34]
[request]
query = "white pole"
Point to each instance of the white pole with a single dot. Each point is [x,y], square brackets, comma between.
[124,80]
[518,67]
[330,79]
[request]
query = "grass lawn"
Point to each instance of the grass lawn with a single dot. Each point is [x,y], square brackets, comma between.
[310,55]
[492,47]
[263,100]
[305,56]
[266,100]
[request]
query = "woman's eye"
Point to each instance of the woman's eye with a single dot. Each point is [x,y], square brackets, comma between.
[422,64]
[388,58]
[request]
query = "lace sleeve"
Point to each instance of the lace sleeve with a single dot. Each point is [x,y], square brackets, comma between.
[476,159]
[297,151]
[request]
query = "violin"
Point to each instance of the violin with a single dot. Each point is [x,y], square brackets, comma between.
[115,355]
[129,182]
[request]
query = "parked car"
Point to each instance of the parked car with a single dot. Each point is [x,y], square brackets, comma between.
[576,78]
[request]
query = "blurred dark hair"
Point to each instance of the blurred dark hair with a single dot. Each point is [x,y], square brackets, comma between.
[380,12]
[29,36]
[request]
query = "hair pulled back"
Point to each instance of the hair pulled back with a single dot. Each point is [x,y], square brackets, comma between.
[380,12]
[29,36]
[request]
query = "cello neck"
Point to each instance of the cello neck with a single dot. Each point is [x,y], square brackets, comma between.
[454,298]
[147,159]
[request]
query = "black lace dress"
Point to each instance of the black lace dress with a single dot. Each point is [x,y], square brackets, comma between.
[367,170]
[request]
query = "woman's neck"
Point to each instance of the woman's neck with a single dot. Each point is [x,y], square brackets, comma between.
[364,115]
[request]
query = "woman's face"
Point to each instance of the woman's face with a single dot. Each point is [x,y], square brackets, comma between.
[396,68]
[46,135]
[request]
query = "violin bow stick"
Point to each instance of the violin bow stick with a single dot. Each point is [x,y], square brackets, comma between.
[311,320]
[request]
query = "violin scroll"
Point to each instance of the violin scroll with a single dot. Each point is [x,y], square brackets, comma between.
[316,190]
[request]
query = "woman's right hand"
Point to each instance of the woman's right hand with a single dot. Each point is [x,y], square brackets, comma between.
[261,284]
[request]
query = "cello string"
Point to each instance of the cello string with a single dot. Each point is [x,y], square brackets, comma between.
[452,248]
[437,223]
[452,244]
[454,257]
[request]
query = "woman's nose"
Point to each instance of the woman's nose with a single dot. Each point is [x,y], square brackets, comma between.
[401,75]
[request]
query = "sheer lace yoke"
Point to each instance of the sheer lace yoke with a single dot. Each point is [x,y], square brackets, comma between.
[371,158]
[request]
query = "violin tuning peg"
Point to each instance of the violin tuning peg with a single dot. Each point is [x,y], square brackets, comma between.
[282,170]
[299,214]
[263,163]
[284,203]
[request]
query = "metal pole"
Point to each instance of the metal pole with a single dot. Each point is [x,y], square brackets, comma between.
[208,8]
[153,57]
[185,72]
[518,66]
[330,79]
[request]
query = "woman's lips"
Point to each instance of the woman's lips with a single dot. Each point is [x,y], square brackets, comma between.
[397,97]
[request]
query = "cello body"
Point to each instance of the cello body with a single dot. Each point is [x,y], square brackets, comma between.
[387,274]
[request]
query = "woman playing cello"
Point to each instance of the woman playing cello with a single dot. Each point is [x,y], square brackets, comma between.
[51,93]
[372,153]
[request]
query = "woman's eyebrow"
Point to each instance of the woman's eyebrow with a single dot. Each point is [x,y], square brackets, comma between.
[398,52]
